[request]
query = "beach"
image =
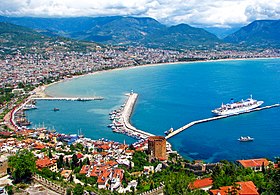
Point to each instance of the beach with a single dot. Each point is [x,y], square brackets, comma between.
[40,90]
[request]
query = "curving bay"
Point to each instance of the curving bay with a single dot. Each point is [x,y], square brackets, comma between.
[172,96]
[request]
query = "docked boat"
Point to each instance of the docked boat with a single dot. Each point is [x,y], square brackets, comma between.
[169,131]
[237,107]
[29,107]
[246,139]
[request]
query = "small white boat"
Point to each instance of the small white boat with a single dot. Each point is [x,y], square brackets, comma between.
[246,139]
[29,107]
[169,131]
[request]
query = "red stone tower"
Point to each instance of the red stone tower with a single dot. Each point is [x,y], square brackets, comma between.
[157,147]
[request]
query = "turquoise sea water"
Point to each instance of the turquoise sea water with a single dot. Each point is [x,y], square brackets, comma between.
[172,96]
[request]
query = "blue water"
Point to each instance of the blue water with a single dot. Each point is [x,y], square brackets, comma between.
[172,96]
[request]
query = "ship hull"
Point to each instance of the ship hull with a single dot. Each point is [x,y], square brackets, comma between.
[237,110]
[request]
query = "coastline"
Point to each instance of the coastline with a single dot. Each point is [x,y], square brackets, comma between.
[40,91]
[206,65]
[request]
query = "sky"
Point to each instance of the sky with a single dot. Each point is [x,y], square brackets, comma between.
[203,13]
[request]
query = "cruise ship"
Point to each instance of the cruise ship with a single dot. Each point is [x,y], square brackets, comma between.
[237,107]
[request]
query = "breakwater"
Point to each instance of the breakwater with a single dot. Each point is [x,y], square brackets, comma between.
[121,119]
[175,132]
[127,111]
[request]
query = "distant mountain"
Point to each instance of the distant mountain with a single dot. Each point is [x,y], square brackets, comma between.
[120,30]
[14,37]
[221,33]
[258,33]
[182,36]
[11,34]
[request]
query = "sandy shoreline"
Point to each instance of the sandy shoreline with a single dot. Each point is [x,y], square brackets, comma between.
[41,90]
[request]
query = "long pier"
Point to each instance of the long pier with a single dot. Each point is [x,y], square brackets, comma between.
[69,98]
[127,111]
[175,132]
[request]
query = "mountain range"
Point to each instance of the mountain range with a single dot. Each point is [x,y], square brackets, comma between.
[119,30]
[264,33]
[14,37]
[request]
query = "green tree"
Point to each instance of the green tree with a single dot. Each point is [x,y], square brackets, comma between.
[50,153]
[80,146]
[9,189]
[224,175]
[86,161]
[75,161]
[92,180]
[71,178]
[86,150]
[46,172]
[68,191]
[177,183]
[78,190]
[22,166]
[67,163]
[273,178]
[72,147]
[60,162]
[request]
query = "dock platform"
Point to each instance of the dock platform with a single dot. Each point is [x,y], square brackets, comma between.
[175,132]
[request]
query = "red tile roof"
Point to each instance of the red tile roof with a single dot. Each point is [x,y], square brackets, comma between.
[111,163]
[244,188]
[103,177]
[66,173]
[79,155]
[84,169]
[45,162]
[201,183]
[104,147]
[4,133]
[130,151]
[254,162]
[118,173]
[39,146]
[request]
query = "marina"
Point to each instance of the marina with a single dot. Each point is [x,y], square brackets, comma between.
[175,132]
[18,120]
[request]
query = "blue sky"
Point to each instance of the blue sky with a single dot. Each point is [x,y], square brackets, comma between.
[202,13]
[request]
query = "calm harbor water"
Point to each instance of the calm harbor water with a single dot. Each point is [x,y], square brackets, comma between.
[172,96]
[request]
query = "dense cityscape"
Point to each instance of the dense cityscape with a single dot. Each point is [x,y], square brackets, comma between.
[98,165]
[40,160]
[47,64]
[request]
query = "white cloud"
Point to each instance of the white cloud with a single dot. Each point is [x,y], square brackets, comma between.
[223,13]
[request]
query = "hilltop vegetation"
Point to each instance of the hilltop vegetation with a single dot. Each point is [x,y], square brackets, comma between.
[120,30]
[260,33]
[14,38]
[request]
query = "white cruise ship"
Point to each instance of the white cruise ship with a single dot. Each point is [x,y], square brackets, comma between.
[237,107]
